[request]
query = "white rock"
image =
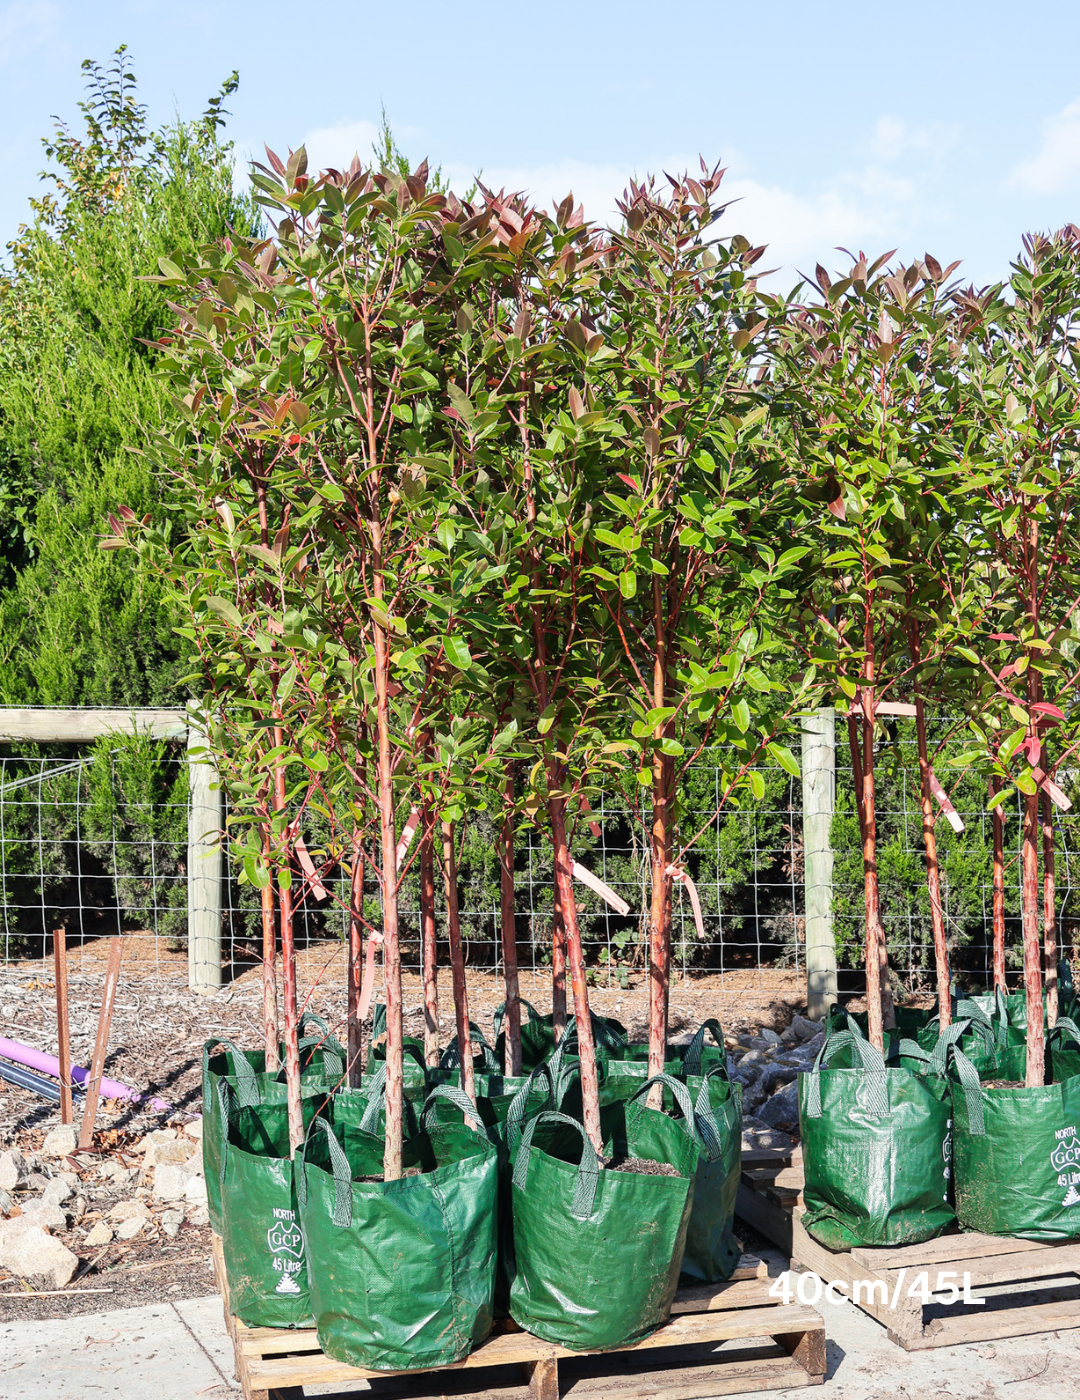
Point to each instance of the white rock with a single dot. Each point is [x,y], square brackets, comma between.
[171,1181]
[61,1142]
[194,1128]
[174,1151]
[5,1202]
[99,1236]
[32,1254]
[130,1228]
[57,1191]
[130,1209]
[13,1169]
[198,1215]
[196,1190]
[44,1213]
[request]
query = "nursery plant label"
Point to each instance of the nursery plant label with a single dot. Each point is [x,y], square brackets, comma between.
[285,1241]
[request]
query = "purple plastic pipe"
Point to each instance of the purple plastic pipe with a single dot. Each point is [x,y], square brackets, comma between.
[49,1064]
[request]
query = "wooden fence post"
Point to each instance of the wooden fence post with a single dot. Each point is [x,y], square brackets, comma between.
[819,803]
[205,818]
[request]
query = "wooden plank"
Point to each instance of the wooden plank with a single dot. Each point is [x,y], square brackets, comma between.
[518,1348]
[205,821]
[943,1249]
[840,1266]
[777,1372]
[543,1380]
[765,1216]
[60,726]
[979,1325]
[742,1293]
[1007,1268]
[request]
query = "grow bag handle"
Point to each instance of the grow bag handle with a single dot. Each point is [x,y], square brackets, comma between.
[1065,1028]
[247,1086]
[460,1100]
[451,1056]
[333,1056]
[873,1066]
[342,1172]
[705,1114]
[500,1012]
[603,1036]
[588,1172]
[938,1058]
[692,1057]
[559,1079]
[706,1127]
[973,1092]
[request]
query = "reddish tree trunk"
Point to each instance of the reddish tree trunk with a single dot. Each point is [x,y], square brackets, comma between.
[933,877]
[875,989]
[558,965]
[1050,952]
[998,821]
[430,953]
[271,1033]
[355,1044]
[660,854]
[564,881]
[508,930]
[1029,911]
[457,962]
[288,969]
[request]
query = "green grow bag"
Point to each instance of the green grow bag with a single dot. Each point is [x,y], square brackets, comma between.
[875,1147]
[538,1035]
[599,1251]
[1063,1051]
[1016,1156]
[402,1273]
[712,1251]
[243,1072]
[261,1239]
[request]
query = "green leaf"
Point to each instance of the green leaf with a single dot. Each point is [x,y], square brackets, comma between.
[644,777]
[740,713]
[757,784]
[628,583]
[225,610]
[457,653]
[785,758]
[257,874]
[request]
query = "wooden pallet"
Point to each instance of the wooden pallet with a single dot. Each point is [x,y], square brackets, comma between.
[783,1346]
[1028,1286]
[769,1190]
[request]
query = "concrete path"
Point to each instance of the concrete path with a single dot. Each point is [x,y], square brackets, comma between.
[180,1351]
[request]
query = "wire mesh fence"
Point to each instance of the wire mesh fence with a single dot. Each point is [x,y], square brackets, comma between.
[95,838]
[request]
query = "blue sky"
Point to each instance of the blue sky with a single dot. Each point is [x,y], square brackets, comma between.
[948,127]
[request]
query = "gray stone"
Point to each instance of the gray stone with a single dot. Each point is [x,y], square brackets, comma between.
[37,1181]
[128,1229]
[782,1110]
[5,1202]
[130,1209]
[57,1191]
[99,1236]
[172,1152]
[776,1075]
[194,1128]
[13,1169]
[33,1254]
[804,1027]
[769,1036]
[171,1221]
[171,1181]
[198,1215]
[61,1142]
[45,1213]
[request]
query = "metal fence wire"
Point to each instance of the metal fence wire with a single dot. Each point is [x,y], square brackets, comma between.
[95,838]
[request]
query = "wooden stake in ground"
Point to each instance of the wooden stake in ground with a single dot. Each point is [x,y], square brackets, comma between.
[998,824]
[101,1044]
[62,1037]
[1050,952]
[508,932]
[457,962]
[429,956]
[1029,912]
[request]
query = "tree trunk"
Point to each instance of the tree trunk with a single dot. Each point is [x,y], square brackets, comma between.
[564,881]
[271,1033]
[395,1030]
[933,878]
[508,930]
[558,965]
[660,854]
[457,962]
[875,991]
[430,949]
[998,826]
[1029,908]
[355,1045]
[1050,952]
[288,967]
